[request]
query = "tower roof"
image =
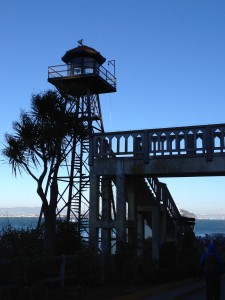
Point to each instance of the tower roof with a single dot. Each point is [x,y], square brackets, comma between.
[83,51]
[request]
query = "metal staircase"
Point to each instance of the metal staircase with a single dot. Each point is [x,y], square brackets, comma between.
[153,193]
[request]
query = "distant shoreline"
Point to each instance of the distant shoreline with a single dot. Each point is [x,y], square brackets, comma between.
[22,216]
[211,218]
[37,216]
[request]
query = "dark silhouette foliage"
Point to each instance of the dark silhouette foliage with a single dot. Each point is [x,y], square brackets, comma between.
[38,147]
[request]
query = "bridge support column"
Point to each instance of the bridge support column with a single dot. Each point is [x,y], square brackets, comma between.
[120,223]
[94,213]
[106,216]
[132,213]
[105,225]
[140,234]
[163,227]
[155,233]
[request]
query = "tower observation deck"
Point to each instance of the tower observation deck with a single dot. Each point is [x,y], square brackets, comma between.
[83,70]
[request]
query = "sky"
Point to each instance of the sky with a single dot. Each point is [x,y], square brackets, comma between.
[170,69]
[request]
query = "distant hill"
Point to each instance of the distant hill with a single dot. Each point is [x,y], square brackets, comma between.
[187,214]
[19,211]
[35,211]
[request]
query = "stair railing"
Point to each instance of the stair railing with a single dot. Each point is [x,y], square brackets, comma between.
[164,198]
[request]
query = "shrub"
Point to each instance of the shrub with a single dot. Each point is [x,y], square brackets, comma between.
[19,242]
[68,240]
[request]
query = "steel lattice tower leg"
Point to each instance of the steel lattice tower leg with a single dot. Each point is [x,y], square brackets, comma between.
[75,195]
[74,177]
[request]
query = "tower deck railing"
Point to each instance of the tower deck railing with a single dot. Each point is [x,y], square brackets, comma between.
[203,140]
[73,71]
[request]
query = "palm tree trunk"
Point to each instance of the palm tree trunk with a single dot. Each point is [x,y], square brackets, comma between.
[50,216]
[49,210]
[49,232]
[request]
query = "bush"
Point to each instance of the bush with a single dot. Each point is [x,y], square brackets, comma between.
[68,240]
[21,256]
[16,243]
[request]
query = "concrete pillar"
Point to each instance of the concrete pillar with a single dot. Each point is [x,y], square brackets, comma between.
[163,227]
[163,207]
[120,223]
[106,216]
[94,213]
[155,233]
[140,233]
[132,213]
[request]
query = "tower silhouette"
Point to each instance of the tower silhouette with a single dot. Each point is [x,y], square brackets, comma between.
[82,78]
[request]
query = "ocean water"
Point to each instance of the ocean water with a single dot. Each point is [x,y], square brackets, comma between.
[202,227]
[18,222]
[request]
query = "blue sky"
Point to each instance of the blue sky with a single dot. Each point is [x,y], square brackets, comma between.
[170,68]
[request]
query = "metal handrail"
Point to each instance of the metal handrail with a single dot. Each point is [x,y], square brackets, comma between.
[77,70]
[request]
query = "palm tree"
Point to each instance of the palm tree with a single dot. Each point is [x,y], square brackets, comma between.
[38,148]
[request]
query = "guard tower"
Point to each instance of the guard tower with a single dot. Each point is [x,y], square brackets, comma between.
[82,78]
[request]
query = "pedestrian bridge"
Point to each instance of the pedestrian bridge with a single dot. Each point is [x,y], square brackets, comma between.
[164,152]
[133,161]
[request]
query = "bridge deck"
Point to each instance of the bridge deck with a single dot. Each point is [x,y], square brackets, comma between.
[166,167]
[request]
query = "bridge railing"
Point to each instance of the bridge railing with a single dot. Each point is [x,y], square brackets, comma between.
[204,140]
